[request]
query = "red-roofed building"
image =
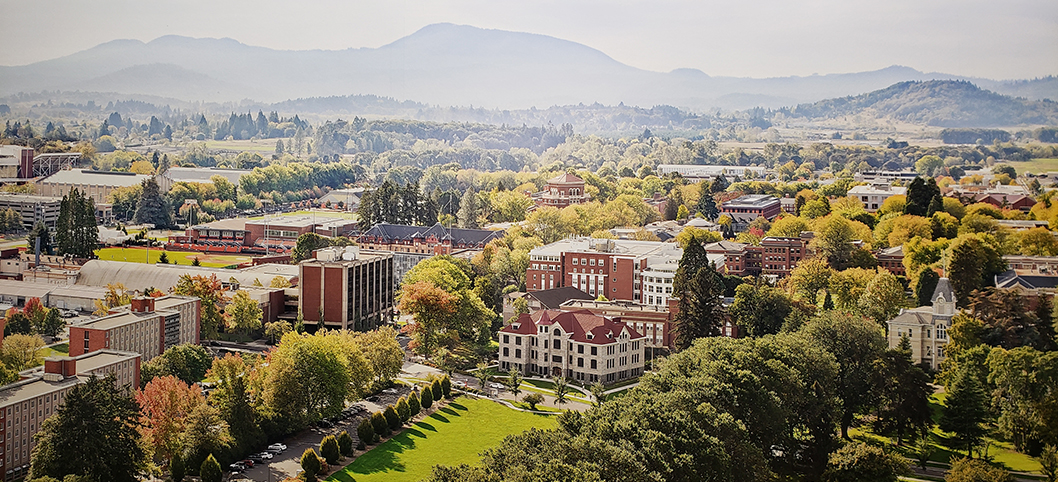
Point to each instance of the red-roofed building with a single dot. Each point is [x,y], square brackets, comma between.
[1006,201]
[561,191]
[576,344]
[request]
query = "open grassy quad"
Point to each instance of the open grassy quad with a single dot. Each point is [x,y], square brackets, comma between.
[1036,166]
[453,435]
[139,255]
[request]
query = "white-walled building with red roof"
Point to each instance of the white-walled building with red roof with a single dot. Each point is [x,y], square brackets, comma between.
[578,344]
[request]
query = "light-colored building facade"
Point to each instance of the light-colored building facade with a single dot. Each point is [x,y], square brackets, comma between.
[561,191]
[33,209]
[25,404]
[579,345]
[95,184]
[926,327]
[873,195]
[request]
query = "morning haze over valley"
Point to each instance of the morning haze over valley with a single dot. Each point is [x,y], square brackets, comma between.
[534,241]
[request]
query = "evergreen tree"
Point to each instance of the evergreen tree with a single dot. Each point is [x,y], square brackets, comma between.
[176,468]
[210,470]
[701,307]
[41,231]
[152,207]
[920,194]
[345,444]
[110,450]
[926,284]
[76,230]
[329,449]
[310,463]
[392,419]
[903,392]
[707,204]
[414,407]
[469,210]
[365,431]
[967,409]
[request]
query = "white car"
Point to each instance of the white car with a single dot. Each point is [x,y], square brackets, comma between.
[499,386]
[459,384]
[266,455]
[277,447]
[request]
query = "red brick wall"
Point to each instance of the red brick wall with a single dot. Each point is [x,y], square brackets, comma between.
[97,340]
[310,291]
[333,299]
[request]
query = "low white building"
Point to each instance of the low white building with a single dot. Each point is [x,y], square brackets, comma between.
[873,195]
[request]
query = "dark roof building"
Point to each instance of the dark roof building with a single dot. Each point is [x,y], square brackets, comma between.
[436,239]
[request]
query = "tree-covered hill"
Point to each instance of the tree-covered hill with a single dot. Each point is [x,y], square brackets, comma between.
[941,103]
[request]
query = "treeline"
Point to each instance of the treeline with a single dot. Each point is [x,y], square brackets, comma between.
[395,204]
[246,126]
[972,136]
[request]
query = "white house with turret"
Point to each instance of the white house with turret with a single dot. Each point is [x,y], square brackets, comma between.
[926,327]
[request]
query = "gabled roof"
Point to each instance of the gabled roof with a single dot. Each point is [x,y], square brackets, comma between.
[897,251]
[725,246]
[565,178]
[1012,279]
[943,289]
[553,298]
[581,326]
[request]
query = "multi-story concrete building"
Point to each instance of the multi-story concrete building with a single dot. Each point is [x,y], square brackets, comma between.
[148,326]
[873,195]
[579,345]
[926,327]
[696,172]
[32,208]
[609,267]
[25,404]
[743,210]
[561,191]
[347,288]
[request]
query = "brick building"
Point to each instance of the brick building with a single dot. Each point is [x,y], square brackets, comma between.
[892,259]
[776,256]
[25,404]
[613,268]
[347,288]
[579,345]
[269,234]
[743,210]
[561,191]
[148,326]
[432,240]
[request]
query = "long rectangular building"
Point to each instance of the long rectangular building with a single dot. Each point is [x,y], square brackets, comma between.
[148,326]
[613,268]
[25,404]
[32,208]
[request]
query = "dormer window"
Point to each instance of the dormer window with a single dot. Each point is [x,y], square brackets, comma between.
[590,336]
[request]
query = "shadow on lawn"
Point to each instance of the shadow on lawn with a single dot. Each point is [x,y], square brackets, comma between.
[386,457]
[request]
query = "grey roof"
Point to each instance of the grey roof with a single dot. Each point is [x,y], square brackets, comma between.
[203,174]
[1011,279]
[95,178]
[399,232]
[553,298]
[943,289]
[916,316]
[725,246]
[138,276]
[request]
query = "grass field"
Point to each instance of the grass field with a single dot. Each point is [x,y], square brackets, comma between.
[454,435]
[1001,453]
[57,350]
[1036,166]
[139,255]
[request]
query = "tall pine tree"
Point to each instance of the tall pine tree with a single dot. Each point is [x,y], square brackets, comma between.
[76,230]
[152,207]
[967,409]
[700,289]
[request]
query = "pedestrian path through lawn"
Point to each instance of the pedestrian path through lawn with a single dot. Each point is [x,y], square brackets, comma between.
[453,435]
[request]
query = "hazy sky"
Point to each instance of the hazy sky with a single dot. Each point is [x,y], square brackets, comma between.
[757,38]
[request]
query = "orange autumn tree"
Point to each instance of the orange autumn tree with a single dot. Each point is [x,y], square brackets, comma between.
[211,292]
[165,404]
[432,307]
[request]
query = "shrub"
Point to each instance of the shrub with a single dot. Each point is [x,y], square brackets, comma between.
[378,420]
[345,444]
[426,397]
[176,468]
[392,419]
[329,449]
[360,445]
[403,410]
[366,431]
[435,387]
[976,470]
[859,462]
[311,464]
[210,470]
[446,387]
[532,399]
[414,406]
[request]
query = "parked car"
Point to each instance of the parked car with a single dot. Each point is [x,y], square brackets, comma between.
[459,384]
[256,458]
[497,386]
[266,455]
[325,424]
[248,463]
[277,448]
[67,313]
[237,467]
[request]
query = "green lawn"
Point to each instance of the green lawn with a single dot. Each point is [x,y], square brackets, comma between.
[57,350]
[1036,166]
[1001,453]
[454,435]
[138,255]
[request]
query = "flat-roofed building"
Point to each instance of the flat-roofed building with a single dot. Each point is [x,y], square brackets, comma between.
[95,184]
[743,210]
[25,404]
[32,208]
[577,344]
[873,195]
[148,326]
[202,175]
[270,234]
[347,288]
[695,172]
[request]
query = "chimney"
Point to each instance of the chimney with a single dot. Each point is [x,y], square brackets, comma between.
[143,304]
[57,368]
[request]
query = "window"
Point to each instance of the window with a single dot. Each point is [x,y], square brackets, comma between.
[593,365]
[580,348]
[557,344]
[574,261]
[506,339]
[517,340]
[594,351]
[580,362]
[518,353]
[592,262]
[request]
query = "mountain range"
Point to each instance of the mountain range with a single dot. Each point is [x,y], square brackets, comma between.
[445,65]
